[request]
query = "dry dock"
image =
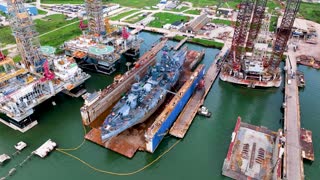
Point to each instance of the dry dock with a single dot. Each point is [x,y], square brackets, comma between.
[183,122]
[130,141]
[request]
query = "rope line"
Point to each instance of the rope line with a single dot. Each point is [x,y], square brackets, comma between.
[116,173]
[76,148]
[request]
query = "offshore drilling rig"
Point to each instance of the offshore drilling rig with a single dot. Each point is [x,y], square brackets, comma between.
[248,62]
[37,78]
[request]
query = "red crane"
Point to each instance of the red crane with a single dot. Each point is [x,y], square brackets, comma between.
[48,75]
[82,25]
[2,56]
[125,34]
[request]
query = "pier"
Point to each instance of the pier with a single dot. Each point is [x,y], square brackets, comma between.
[183,122]
[293,164]
[180,44]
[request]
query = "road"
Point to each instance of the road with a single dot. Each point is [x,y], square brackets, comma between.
[293,160]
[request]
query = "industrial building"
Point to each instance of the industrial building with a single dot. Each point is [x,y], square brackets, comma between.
[32,10]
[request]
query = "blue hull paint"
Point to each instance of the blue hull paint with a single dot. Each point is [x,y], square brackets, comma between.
[175,112]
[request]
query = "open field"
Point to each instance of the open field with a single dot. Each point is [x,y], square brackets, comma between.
[129,3]
[134,18]
[221,21]
[166,18]
[193,11]
[310,11]
[273,23]
[122,15]
[203,42]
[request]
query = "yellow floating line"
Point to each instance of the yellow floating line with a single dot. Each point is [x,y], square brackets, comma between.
[116,173]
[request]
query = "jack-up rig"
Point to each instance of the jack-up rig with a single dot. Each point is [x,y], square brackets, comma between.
[38,77]
[248,62]
[101,46]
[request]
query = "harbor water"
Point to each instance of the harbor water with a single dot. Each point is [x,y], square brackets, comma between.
[199,155]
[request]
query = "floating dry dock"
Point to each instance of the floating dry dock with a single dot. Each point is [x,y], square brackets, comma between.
[254,153]
[133,139]
[183,122]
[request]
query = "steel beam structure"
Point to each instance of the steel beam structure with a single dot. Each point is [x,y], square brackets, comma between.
[257,17]
[26,36]
[95,16]
[283,33]
[240,33]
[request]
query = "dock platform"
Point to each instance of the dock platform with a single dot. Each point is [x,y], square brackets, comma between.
[253,153]
[177,47]
[293,164]
[306,144]
[183,122]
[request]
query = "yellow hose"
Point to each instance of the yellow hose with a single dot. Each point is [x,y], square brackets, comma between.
[63,151]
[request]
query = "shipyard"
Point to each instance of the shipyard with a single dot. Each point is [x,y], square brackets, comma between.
[159,89]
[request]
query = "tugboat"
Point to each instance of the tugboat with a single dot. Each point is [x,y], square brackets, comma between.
[203,111]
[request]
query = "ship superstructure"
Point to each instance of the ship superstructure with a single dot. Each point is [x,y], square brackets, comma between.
[145,96]
[36,78]
[101,47]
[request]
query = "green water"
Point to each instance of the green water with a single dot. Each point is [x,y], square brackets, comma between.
[199,155]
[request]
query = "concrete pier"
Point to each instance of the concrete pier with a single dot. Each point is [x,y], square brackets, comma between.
[293,164]
[180,44]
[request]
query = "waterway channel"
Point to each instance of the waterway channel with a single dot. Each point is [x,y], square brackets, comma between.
[199,155]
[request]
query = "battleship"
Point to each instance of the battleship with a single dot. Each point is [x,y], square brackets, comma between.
[145,96]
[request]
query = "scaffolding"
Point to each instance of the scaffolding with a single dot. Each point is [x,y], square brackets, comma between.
[95,17]
[283,33]
[26,36]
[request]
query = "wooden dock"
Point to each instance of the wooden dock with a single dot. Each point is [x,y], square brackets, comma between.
[180,44]
[183,122]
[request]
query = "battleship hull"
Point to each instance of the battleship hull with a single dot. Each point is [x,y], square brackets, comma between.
[154,141]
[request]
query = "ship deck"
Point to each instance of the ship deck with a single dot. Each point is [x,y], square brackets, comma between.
[184,120]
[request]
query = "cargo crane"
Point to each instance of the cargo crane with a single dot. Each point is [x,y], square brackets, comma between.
[247,63]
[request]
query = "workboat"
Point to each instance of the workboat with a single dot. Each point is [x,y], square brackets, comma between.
[145,96]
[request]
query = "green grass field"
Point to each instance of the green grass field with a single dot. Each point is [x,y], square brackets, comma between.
[203,42]
[273,23]
[181,9]
[310,11]
[167,18]
[221,21]
[122,15]
[134,18]
[193,11]
[41,12]
[129,3]
[42,26]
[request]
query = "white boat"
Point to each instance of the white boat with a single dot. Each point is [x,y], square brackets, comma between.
[20,146]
